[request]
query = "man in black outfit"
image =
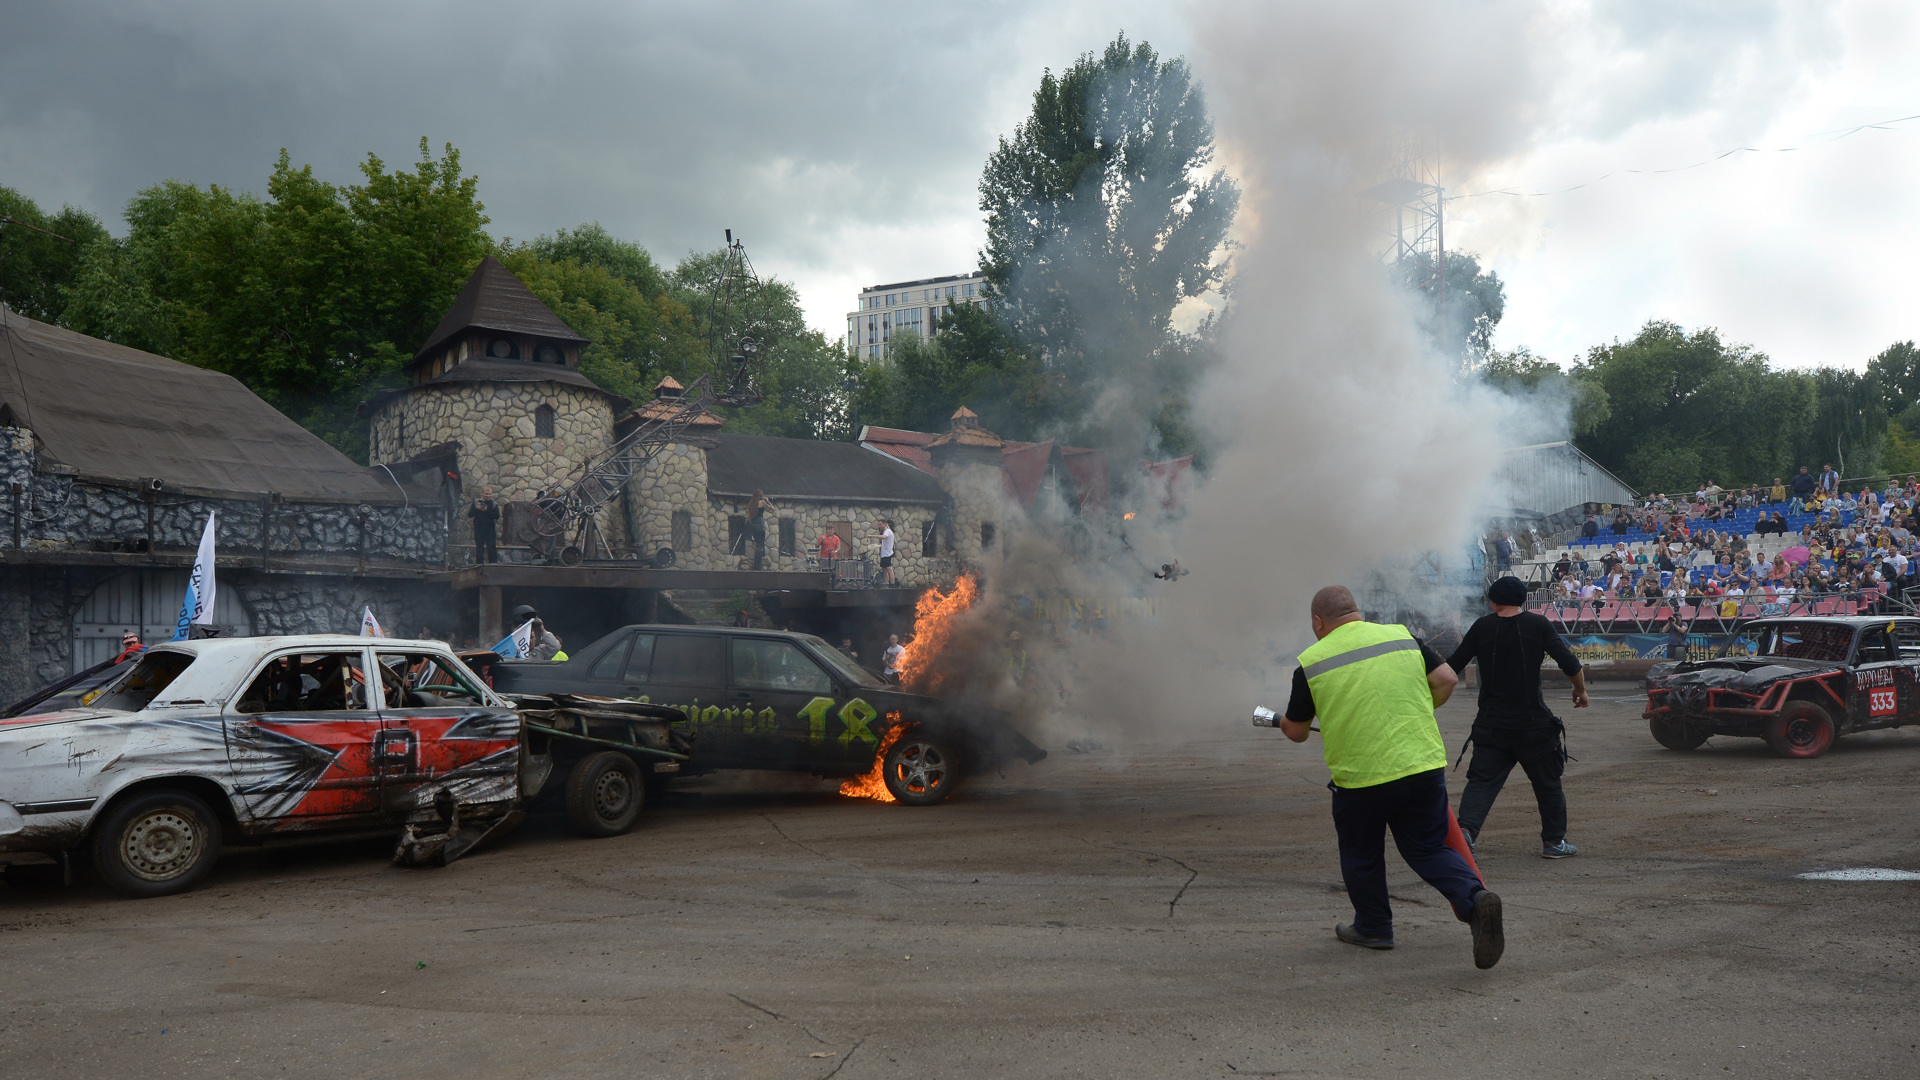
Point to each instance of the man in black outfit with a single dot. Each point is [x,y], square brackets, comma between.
[486,520]
[1514,725]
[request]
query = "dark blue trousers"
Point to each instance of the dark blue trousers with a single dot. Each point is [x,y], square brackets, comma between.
[1415,808]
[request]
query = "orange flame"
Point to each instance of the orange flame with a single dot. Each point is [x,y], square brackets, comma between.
[873,784]
[1128,516]
[933,619]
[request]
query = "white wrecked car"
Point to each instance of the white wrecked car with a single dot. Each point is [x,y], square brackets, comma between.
[253,740]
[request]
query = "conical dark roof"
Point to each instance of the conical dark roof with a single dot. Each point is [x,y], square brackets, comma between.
[493,299]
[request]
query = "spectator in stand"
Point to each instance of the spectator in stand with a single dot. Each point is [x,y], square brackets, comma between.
[1563,567]
[1662,559]
[1804,483]
[1829,480]
[1591,529]
[1650,585]
[1503,552]
[1621,523]
[1778,493]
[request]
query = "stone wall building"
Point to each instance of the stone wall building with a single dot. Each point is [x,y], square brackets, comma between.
[112,460]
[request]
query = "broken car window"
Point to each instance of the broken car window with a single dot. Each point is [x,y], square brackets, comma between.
[138,687]
[847,666]
[307,682]
[1806,641]
[423,681]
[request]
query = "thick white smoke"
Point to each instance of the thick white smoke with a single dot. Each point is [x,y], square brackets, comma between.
[1341,442]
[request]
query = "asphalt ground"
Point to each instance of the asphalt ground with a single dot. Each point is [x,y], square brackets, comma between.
[1134,912]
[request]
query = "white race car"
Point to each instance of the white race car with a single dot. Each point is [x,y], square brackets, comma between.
[254,740]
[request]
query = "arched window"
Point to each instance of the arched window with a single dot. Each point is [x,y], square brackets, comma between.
[543,422]
[502,349]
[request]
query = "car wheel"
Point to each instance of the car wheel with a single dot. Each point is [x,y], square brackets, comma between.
[157,843]
[604,794]
[1802,730]
[1677,734]
[920,770]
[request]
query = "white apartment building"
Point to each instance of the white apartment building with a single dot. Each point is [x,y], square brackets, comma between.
[907,307]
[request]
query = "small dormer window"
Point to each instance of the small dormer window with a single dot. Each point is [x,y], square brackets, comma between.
[551,354]
[543,422]
[502,349]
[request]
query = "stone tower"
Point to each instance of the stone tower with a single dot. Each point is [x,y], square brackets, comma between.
[498,385]
[667,500]
[970,460]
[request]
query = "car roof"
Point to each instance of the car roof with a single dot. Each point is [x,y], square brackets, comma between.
[683,628]
[219,663]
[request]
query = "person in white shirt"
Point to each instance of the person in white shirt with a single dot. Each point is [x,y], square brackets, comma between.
[891,658]
[1589,591]
[885,536]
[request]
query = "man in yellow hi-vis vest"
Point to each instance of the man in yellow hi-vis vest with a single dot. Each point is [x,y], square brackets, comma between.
[1374,689]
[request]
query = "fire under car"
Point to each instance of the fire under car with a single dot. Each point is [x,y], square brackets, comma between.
[766,699]
[1798,683]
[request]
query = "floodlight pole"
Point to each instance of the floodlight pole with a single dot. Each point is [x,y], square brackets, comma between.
[1440,248]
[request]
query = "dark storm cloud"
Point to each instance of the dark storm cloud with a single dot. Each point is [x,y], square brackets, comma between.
[803,127]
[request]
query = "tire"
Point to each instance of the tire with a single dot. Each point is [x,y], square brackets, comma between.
[604,794]
[1677,734]
[157,843]
[1802,730]
[663,558]
[920,770]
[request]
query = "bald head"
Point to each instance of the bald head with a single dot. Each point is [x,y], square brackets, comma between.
[1332,602]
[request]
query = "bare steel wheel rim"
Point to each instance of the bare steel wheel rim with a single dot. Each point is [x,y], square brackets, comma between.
[922,767]
[612,794]
[163,844]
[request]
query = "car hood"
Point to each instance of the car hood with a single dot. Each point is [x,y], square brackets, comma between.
[1739,673]
[50,719]
[990,731]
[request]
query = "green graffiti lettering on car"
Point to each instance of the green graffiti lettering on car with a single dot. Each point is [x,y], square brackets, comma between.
[815,714]
[855,715]
[769,723]
[711,714]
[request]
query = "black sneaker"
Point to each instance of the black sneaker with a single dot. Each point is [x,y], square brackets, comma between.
[1351,936]
[1489,937]
[1470,836]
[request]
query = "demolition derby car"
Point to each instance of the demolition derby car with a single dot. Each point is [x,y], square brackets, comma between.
[275,739]
[763,699]
[1798,683]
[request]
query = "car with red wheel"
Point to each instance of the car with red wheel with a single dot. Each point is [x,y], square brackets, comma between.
[1797,683]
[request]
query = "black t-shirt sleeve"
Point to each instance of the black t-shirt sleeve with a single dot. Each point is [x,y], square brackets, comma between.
[1556,647]
[1464,652]
[1300,702]
[1429,657]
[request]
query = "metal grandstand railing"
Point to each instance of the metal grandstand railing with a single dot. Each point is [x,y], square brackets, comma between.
[1600,615]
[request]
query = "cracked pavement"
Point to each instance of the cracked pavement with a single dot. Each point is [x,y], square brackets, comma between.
[1139,911]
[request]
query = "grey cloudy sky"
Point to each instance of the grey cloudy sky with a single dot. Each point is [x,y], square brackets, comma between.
[844,141]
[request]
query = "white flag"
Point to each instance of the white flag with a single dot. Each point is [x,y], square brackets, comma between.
[370,626]
[517,645]
[197,607]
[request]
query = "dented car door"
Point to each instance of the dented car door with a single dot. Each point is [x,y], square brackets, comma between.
[303,740]
[440,736]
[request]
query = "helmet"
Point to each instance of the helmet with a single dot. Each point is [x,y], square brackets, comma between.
[523,613]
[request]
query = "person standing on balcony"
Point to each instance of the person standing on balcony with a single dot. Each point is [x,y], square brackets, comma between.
[1514,725]
[486,525]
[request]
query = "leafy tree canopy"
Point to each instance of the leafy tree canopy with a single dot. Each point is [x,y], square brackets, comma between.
[1103,214]
[1475,301]
[37,270]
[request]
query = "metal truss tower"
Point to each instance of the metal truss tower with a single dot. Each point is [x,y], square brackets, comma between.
[1408,206]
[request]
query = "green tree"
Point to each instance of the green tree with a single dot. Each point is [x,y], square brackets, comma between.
[633,337]
[1685,408]
[974,360]
[311,296]
[1521,373]
[1895,373]
[1476,299]
[1103,214]
[38,271]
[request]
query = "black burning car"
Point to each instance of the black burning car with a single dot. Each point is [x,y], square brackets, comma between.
[762,699]
[1798,683]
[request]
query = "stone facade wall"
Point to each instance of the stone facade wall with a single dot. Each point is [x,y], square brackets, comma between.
[494,425]
[676,479]
[38,604]
[58,510]
[974,482]
[911,568]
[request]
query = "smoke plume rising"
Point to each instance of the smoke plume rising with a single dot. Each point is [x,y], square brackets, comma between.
[1341,442]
